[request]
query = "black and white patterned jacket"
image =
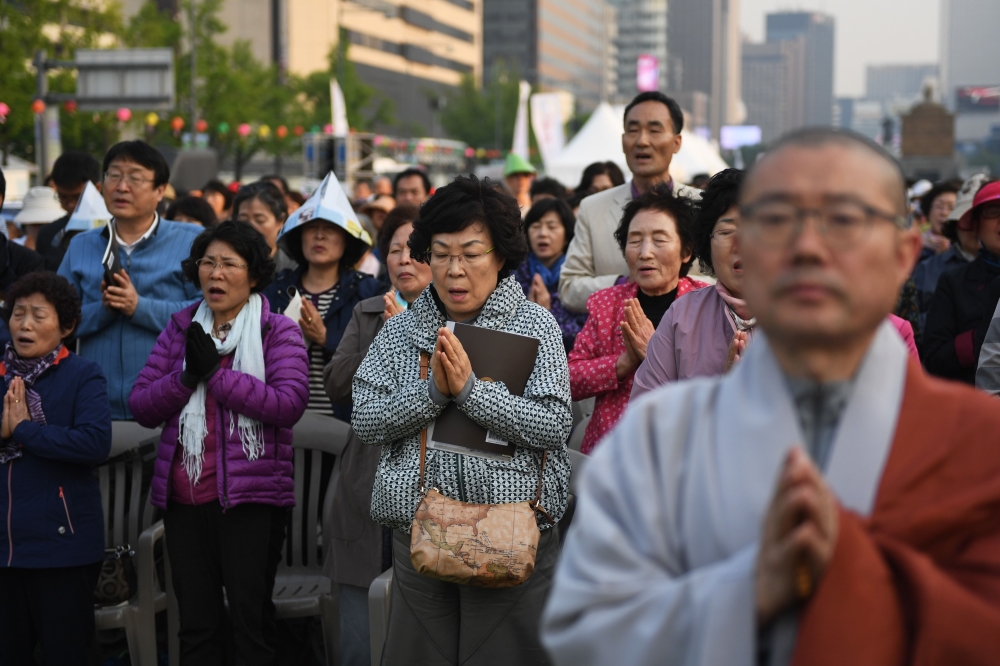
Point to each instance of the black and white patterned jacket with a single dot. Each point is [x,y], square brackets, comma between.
[392,405]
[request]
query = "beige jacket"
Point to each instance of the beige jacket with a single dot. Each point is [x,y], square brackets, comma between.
[594,260]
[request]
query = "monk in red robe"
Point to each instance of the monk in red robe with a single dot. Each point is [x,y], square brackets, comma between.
[826,502]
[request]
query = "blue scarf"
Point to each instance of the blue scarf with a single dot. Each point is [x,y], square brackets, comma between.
[550,276]
[989,258]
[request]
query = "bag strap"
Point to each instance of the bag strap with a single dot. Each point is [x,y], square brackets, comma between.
[536,504]
[425,364]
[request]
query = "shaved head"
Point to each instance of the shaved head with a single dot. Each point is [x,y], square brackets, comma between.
[894,180]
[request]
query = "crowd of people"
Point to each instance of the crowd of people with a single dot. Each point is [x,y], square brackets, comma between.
[780,323]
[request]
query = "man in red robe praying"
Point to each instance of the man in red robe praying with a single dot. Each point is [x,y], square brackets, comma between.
[826,502]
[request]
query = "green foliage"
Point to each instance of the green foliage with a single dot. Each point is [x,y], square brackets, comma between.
[471,112]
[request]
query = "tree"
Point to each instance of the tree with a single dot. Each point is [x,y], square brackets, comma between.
[471,112]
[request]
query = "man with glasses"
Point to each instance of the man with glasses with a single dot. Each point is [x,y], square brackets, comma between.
[120,321]
[70,174]
[825,502]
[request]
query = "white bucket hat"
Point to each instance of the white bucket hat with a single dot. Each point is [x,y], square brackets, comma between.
[40,206]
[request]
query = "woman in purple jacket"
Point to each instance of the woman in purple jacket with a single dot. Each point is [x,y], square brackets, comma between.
[228,379]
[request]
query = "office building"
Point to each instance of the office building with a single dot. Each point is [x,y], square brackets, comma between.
[641,30]
[557,45]
[773,84]
[817,30]
[703,41]
[899,84]
[970,75]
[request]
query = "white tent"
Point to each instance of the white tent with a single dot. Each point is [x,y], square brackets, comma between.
[599,140]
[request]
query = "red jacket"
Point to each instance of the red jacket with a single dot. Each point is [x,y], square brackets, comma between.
[595,353]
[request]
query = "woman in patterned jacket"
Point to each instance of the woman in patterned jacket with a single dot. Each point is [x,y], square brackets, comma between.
[471,236]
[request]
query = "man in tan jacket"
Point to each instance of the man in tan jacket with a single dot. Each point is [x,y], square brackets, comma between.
[652,137]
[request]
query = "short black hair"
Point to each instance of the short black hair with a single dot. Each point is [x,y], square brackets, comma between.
[245,240]
[609,169]
[397,217]
[55,288]
[721,193]
[195,208]
[661,198]
[74,168]
[676,115]
[271,178]
[816,137]
[411,172]
[142,154]
[3,187]
[548,205]
[267,193]
[945,187]
[220,187]
[466,201]
[549,186]
[354,248]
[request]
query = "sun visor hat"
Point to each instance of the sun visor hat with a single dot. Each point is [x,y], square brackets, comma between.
[986,194]
[328,203]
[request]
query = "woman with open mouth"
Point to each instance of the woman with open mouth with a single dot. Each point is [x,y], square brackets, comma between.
[227,379]
[56,429]
[656,235]
[549,226]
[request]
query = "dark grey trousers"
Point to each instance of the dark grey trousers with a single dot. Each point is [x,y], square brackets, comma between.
[434,623]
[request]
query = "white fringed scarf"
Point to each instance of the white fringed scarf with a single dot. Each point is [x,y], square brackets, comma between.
[245,340]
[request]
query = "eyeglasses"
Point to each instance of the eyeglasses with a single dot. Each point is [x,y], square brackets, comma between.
[724,237]
[227,267]
[842,224]
[112,178]
[468,259]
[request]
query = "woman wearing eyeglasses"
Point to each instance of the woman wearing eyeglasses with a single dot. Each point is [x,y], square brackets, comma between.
[471,236]
[704,333]
[228,378]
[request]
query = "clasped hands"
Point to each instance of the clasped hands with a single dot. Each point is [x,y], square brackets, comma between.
[450,365]
[201,357]
[797,539]
[637,330]
[15,408]
[121,296]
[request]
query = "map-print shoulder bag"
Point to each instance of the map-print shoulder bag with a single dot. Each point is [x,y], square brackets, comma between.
[484,545]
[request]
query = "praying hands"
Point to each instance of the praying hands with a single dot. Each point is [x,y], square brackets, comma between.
[15,408]
[637,330]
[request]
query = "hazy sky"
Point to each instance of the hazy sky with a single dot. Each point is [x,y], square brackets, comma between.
[869,32]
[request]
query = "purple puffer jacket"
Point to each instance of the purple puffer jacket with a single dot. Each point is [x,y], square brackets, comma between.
[158,397]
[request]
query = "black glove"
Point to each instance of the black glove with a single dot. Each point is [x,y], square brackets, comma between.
[200,355]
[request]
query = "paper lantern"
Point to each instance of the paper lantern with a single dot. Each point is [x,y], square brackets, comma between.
[281,132]
[481,153]
[243,130]
[4,112]
[328,129]
[177,124]
[223,127]
[152,119]
[96,118]
[123,114]
[263,131]
[201,126]
[378,140]
[70,106]
[314,128]
[299,130]
[38,106]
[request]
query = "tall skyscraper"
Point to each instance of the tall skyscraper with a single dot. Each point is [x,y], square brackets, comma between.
[554,44]
[773,85]
[641,30]
[970,52]
[818,32]
[703,40]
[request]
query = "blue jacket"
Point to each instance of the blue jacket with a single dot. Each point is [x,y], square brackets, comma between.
[929,271]
[120,344]
[354,288]
[50,499]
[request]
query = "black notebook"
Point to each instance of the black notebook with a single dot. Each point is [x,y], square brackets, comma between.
[111,261]
[495,357]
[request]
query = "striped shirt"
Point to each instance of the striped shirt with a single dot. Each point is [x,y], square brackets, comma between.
[319,401]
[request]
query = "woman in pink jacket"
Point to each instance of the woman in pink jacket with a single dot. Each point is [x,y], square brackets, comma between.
[656,235]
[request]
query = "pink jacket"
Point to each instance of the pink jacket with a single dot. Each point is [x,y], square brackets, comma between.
[595,354]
